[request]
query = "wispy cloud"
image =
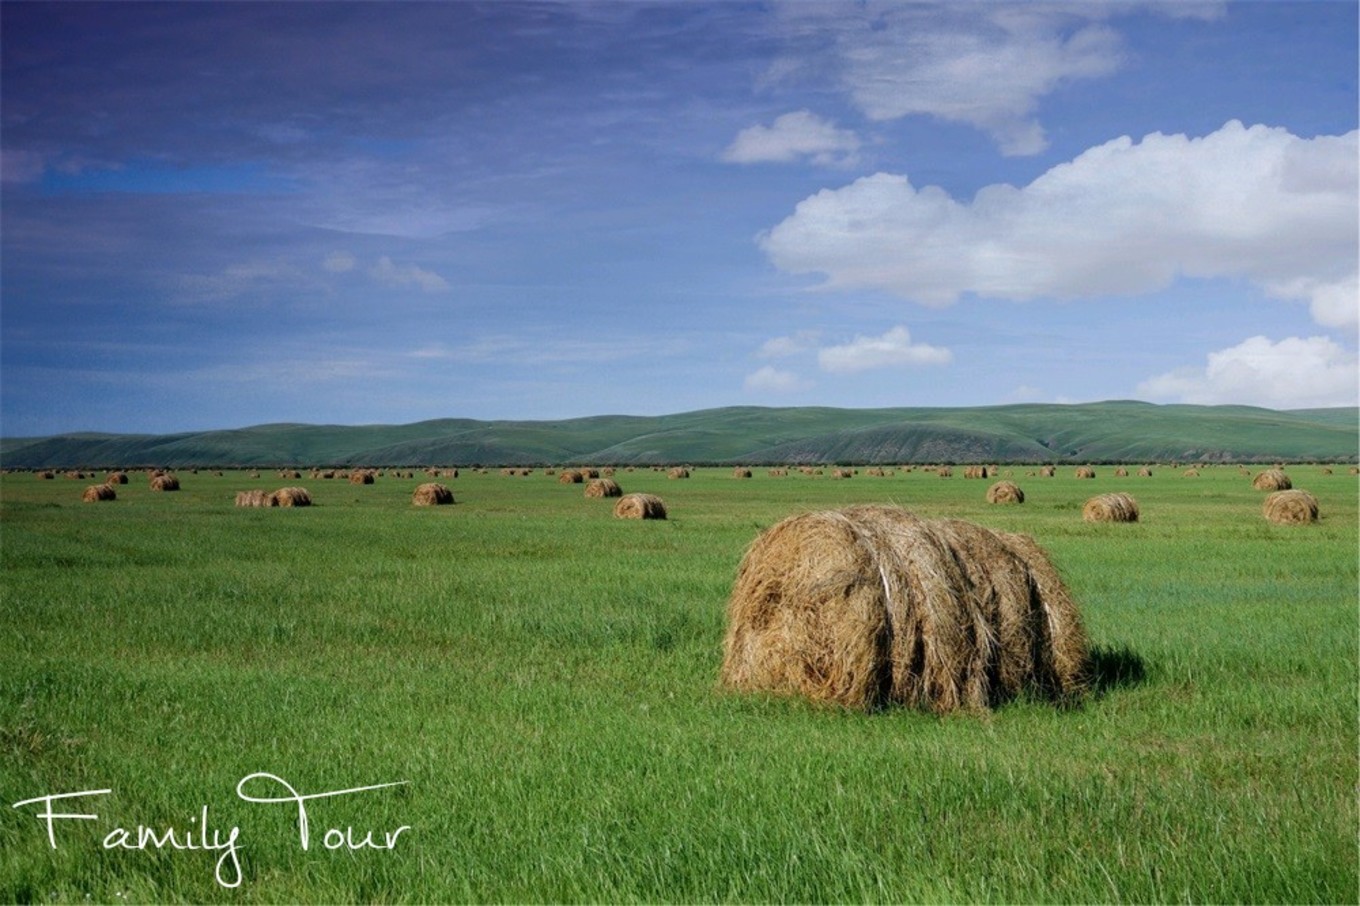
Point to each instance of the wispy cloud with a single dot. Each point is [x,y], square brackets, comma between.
[801,135]
[769,379]
[402,275]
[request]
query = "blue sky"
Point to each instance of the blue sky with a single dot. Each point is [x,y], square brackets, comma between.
[219,215]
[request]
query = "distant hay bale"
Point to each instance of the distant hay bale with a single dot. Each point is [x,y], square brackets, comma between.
[432,494]
[116,478]
[75,476]
[740,472]
[1190,473]
[1085,472]
[96,492]
[164,483]
[292,473]
[1291,507]
[1047,471]
[1144,472]
[678,472]
[1272,480]
[361,476]
[870,606]
[290,497]
[1326,470]
[1110,508]
[975,472]
[842,473]
[603,487]
[945,472]
[45,475]
[640,506]
[254,498]
[778,473]
[570,476]
[589,474]
[1005,492]
[1121,472]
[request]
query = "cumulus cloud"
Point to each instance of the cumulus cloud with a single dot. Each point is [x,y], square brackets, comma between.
[1294,373]
[772,380]
[407,275]
[984,65]
[779,347]
[1123,218]
[893,349]
[794,136]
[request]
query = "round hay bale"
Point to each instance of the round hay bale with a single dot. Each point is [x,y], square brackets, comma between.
[1005,492]
[1290,507]
[640,506]
[1110,508]
[871,606]
[1048,471]
[1190,473]
[1085,472]
[362,476]
[432,494]
[254,498]
[1144,472]
[975,472]
[1121,472]
[603,487]
[116,478]
[290,497]
[740,472]
[842,473]
[1272,480]
[96,492]
[47,476]
[678,472]
[945,472]
[570,476]
[164,483]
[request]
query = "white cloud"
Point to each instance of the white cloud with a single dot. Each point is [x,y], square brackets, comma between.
[772,380]
[1294,373]
[1123,218]
[794,136]
[339,262]
[781,347]
[407,275]
[893,349]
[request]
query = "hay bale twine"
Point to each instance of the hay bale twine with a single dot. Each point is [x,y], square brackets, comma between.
[164,483]
[1291,507]
[603,487]
[871,606]
[253,498]
[640,506]
[1110,508]
[1272,480]
[290,497]
[432,494]
[1005,492]
[97,492]
[1085,472]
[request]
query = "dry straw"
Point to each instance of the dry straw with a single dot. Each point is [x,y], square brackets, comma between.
[96,492]
[290,497]
[1085,472]
[1110,508]
[603,487]
[870,606]
[570,476]
[255,498]
[1291,507]
[431,494]
[361,476]
[164,483]
[640,506]
[1145,472]
[1005,492]
[741,472]
[1272,480]
[975,472]
[678,472]
[116,478]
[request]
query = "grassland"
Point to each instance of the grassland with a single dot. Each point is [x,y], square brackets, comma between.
[543,678]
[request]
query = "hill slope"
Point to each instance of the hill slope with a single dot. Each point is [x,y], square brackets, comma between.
[1122,431]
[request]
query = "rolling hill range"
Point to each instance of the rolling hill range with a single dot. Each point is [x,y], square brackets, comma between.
[1121,431]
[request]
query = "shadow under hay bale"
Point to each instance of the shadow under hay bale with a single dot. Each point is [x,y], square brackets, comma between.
[1272,480]
[603,487]
[432,494]
[1115,667]
[871,606]
[1291,507]
[1110,508]
[97,492]
[290,497]
[1005,492]
[640,506]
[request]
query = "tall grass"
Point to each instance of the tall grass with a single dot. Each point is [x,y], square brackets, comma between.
[543,676]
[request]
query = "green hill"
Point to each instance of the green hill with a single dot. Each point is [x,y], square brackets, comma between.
[1120,431]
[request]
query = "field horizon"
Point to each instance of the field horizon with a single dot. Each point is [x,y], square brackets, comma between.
[1104,432]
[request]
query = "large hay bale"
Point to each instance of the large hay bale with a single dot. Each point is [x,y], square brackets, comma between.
[254,498]
[96,492]
[603,487]
[290,497]
[1005,492]
[870,606]
[1110,508]
[1085,472]
[640,506]
[1291,507]
[164,483]
[432,494]
[1272,480]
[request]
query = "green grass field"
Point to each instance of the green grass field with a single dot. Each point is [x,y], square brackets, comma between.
[542,677]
